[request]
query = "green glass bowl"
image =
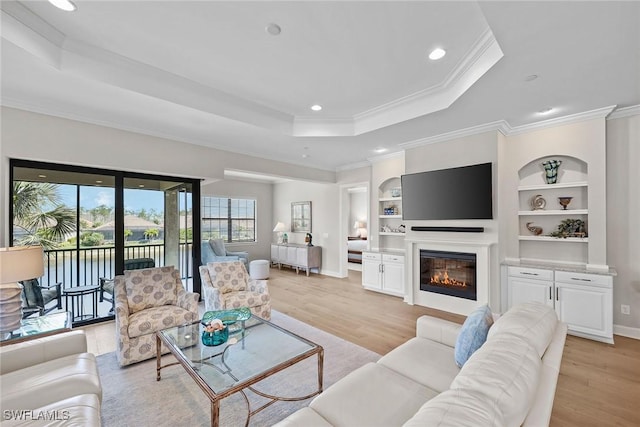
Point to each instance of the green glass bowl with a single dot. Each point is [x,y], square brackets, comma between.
[216,337]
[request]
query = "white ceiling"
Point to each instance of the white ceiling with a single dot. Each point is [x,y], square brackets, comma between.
[207,72]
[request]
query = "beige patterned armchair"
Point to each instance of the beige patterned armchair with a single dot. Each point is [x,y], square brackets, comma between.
[227,285]
[147,301]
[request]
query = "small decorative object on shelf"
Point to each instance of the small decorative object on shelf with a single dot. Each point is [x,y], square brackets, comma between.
[396,192]
[401,228]
[537,202]
[308,239]
[551,170]
[570,228]
[534,229]
[285,238]
[564,201]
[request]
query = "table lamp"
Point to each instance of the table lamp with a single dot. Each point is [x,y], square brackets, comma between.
[16,264]
[280,228]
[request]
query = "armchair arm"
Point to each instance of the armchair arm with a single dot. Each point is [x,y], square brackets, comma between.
[439,330]
[121,304]
[189,301]
[39,350]
[259,286]
[212,299]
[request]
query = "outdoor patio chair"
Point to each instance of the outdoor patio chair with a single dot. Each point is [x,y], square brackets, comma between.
[36,297]
[227,285]
[147,301]
[106,285]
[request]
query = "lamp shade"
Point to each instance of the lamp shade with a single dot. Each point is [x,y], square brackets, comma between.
[280,227]
[21,263]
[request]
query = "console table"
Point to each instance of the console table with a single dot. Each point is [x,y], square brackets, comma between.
[297,256]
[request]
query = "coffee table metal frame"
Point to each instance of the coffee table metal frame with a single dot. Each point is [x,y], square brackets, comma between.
[215,398]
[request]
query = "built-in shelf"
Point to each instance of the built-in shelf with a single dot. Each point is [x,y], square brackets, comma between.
[554,239]
[390,199]
[391,216]
[554,212]
[552,186]
[390,233]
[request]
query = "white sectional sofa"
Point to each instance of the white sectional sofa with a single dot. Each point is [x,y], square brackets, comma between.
[509,381]
[50,381]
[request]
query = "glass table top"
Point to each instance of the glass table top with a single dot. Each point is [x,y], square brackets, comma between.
[254,347]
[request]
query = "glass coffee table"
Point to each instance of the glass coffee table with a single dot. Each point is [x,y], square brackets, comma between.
[254,350]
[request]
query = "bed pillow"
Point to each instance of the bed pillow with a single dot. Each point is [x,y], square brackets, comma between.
[472,334]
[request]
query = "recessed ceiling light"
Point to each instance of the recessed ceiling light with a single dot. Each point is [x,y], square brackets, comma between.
[273,29]
[531,78]
[316,107]
[380,150]
[304,156]
[42,176]
[547,110]
[65,5]
[437,53]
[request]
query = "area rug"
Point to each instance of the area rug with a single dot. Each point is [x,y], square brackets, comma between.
[133,397]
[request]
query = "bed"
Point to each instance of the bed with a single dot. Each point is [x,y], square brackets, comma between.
[355,246]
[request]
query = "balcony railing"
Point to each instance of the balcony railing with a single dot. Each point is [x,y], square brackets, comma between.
[85,266]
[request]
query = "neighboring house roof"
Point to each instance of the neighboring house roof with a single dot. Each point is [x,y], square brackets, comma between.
[131,222]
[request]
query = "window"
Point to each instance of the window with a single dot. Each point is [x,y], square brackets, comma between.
[233,220]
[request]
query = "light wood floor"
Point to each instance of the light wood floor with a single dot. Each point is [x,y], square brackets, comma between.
[599,384]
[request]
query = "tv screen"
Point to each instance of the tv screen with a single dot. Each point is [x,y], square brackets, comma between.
[457,193]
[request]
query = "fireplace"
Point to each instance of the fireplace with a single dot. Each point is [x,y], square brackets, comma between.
[448,273]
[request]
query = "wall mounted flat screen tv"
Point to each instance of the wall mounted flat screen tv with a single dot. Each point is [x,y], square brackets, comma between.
[457,193]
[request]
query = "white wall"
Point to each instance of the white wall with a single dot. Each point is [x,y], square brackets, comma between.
[623,218]
[325,217]
[263,194]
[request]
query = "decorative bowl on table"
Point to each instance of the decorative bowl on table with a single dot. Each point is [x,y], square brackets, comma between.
[224,319]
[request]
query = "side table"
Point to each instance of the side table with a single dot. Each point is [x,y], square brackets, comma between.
[37,327]
[77,294]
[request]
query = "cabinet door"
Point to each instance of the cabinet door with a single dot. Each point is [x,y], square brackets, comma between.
[282,254]
[585,309]
[393,277]
[274,254]
[526,290]
[292,255]
[302,257]
[371,272]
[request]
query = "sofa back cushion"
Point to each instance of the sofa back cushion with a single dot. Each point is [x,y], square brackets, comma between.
[506,369]
[457,408]
[472,334]
[151,287]
[532,321]
[228,276]
[217,245]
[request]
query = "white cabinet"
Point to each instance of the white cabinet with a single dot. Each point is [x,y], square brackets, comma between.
[383,272]
[583,301]
[297,256]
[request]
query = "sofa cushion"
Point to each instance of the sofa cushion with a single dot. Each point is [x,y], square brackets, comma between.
[77,411]
[157,318]
[48,382]
[532,321]
[228,276]
[372,395]
[472,334]
[428,362]
[457,408]
[305,417]
[150,287]
[507,370]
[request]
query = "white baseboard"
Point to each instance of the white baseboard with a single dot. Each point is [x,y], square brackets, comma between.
[331,273]
[626,331]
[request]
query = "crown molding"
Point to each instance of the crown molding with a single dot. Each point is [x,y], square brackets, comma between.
[565,120]
[498,126]
[383,157]
[352,166]
[620,113]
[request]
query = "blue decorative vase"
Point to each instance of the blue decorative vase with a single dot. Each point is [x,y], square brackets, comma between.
[216,337]
[551,170]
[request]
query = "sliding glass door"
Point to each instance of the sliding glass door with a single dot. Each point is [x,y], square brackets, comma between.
[94,224]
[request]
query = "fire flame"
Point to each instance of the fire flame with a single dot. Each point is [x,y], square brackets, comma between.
[444,279]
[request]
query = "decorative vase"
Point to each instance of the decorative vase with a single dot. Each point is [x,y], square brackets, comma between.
[551,170]
[564,201]
[216,337]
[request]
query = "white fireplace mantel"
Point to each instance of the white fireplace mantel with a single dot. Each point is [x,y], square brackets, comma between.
[480,247]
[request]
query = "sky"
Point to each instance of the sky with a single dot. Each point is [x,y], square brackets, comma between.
[91,197]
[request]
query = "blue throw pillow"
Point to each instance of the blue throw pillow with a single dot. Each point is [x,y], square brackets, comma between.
[472,334]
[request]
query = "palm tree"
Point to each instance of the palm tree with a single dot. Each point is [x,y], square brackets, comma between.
[151,232]
[38,210]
